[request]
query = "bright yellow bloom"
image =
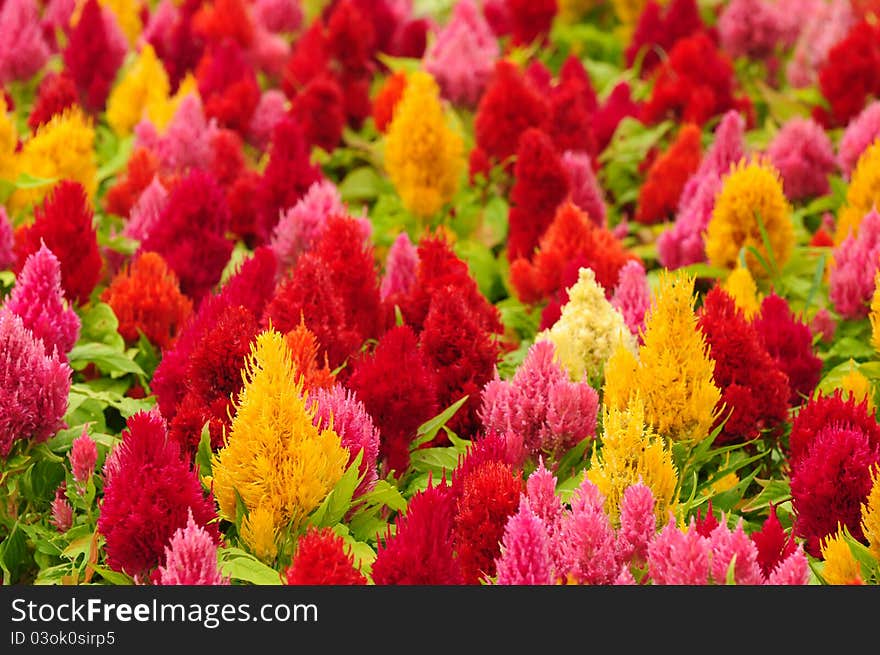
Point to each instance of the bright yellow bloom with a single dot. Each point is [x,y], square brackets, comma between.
[275,459]
[632,452]
[841,567]
[855,384]
[862,193]
[588,330]
[628,11]
[127,13]
[871,514]
[62,148]
[751,190]
[620,377]
[8,142]
[258,533]
[740,285]
[424,157]
[874,315]
[570,11]
[143,90]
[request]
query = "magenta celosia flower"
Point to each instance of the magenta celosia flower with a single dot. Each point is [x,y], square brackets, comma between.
[190,558]
[540,404]
[677,557]
[858,135]
[339,409]
[632,295]
[38,299]
[463,55]
[279,15]
[525,550]
[587,543]
[186,142]
[823,325]
[823,27]
[269,51]
[83,455]
[683,243]
[750,28]
[734,547]
[58,13]
[583,186]
[802,153]
[146,211]
[23,49]
[638,524]
[300,227]
[793,570]
[401,267]
[7,241]
[271,108]
[791,18]
[855,263]
[541,492]
[34,385]
[62,512]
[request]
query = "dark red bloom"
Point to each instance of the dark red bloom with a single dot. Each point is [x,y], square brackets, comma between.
[227,157]
[139,172]
[530,19]
[308,59]
[228,86]
[351,38]
[569,121]
[181,47]
[57,91]
[659,194]
[411,39]
[851,74]
[617,106]
[65,223]
[773,544]
[219,20]
[706,524]
[243,220]
[320,109]
[658,30]
[573,74]
[321,558]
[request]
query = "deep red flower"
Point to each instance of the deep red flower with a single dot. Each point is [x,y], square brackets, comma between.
[308,59]
[180,47]
[320,109]
[569,121]
[351,38]
[321,558]
[573,74]
[228,86]
[851,73]
[705,525]
[530,20]
[659,194]
[227,157]
[773,544]
[65,223]
[411,39]
[224,19]
[243,219]
[57,91]
[659,29]
[140,170]
[617,106]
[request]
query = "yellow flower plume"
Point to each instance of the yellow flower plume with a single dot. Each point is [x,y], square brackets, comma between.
[862,194]
[740,285]
[871,514]
[841,567]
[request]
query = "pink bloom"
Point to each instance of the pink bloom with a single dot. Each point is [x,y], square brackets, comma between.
[638,525]
[823,324]
[339,409]
[23,50]
[525,552]
[271,108]
[679,558]
[83,455]
[750,28]
[824,26]
[270,51]
[728,544]
[541,492]
[401,267]
[162,24]
[791,18]
[632,296]
[190,557]
[793,570]
[279,15]
[186,142]
[856,260]
[858,135]
[146,211]
[38,299]
[802,153]
[7,242]
[62,512]
[586,192]
[57,14]
[462,58]
[587,540]
[33,385]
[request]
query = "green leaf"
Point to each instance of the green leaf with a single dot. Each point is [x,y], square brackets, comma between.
[240,565]
[774,492]
[361,184]
[112,577]
[204,453]
[384,494]
[337,503]
[99,324]
[107,359]
[730,578]
[429,429]
[437,461]
[118,161]
[394,64]
[126,406]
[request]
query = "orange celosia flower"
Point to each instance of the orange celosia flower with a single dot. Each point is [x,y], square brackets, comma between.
[387,98]
[304,348]
[658,196]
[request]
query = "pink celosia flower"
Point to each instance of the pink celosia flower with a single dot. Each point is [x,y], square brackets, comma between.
[38,299]
[279,15]
[57,14]
[541,492]
[7,242]
[858,135]
[190,558]
[401,266]
[791,18]
[632,296]
[270,51]
[587,540]
[677,557]
[823,26]
[33,385]
[62,512]
[793,570]
[638,524]
[83,455]
[23,49]
[585,190]
[734,547]
[463,55]
[146,211]
[340,410]
[162,24]
[271,108]
[802,153]
[823,324]
[186,142]
[856,260]
[750,28]
[525,550]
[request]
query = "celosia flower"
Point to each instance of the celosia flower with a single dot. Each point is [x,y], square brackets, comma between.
[849,77]
[143,89]
[83,455]
[861,131]
[24,51]
[638,524]
[279,15]
[617,106]
[871,514]
[7,241]
[140,171]
[319,107]
[171,32]
[733,553]
[858,387]
[541,493]
[419,551]
[632,453]
[572,102]
[750,28]
[38,299]
[321,558]
[149,492]
[65,224]
[773,544]
[584,188]
[632,296]
[271,108]
[57,92]
[401,265]
[9,141]
[659,28]
[525,550]
[530,21]
[259,533]
[62,511]
[752,191]
[840,567]
[386,99]
[337,408]
[587,330]
[587,539]
[819,29]
[677,557]
[862,194]
[228,85]
[301,463]
[666,178]
[793,570]
[823,325]
[315,373]
[462,57]
[186,140]
[146,298]
[423,155]
[191,558]
[802,153]
[741,286]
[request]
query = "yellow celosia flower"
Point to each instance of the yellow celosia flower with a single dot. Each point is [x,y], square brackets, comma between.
[275,459]
[740,285]
[424,157]
[258,533]
[841,567]
[874,315]
[8,143]
[127,13]
[862,193]
[855,384]
[620,377]
[62,148]
[751,190]
[871,514]
[588,329]
[632,452]
[570,11]
[628,11]
[143,90]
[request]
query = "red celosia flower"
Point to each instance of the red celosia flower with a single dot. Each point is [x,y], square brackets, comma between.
[320,110]
[140,170]
[790,342]
[387,98]
[420,551]
[57,91]
[506,109]
[191,234]
[351,38]
[146,299]
[573,74]
[227,157]
[658,196]
[774,545]
[541,185]
[486,447]
[314,372]
[530,19]
[851,74]
[754,392]
[659,29]
[149,491]
[569,121]
[179,46]
[225,19]
[705,525]
[309,58]
[321,558]
[65,223]
[617,106]
[397,386]
[228,86]
[411,39]
[244,221]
